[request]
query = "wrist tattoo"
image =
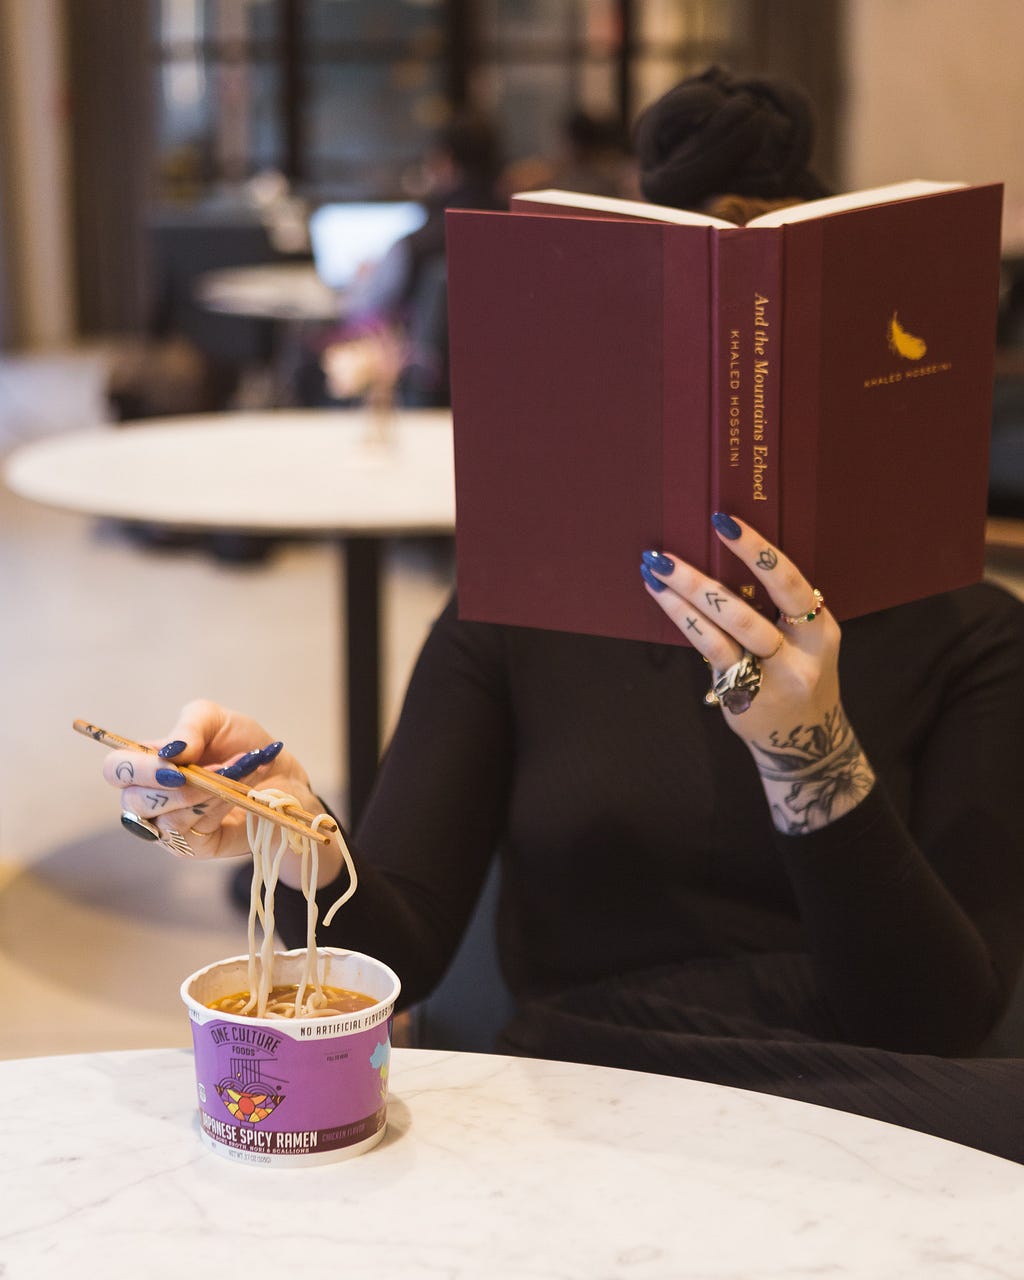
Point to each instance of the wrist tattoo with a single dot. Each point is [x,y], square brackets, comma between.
[826,771]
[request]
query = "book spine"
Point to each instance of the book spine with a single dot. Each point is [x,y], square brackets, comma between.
[746,394]
[803,321]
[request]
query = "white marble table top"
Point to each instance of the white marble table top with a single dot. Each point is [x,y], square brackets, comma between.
[492,1167]
[271,291]
[287,470]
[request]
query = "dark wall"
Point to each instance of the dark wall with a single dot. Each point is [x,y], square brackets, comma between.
[8,320]
[111,115]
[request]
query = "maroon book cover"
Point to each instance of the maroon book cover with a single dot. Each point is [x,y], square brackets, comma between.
[580,351]
[890,319]
[591,394]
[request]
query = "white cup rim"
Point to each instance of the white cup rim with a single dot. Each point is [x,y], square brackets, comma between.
[381,1006]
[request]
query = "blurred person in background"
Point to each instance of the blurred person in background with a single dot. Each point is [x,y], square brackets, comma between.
[593,156]
[394,342]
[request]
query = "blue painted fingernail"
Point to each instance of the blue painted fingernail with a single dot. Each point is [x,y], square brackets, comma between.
[251,761]
[243,765]
[658,562]
[170,777]
[174,748]
[726,526]
[654,583]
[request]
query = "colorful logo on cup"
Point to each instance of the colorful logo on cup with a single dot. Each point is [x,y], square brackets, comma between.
[245,1094]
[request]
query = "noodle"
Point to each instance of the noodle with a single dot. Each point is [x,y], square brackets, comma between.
[269,843]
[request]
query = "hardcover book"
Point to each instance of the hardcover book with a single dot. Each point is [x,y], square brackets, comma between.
[621,370]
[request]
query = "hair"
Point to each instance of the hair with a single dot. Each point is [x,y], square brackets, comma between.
[740,209]
[718,134]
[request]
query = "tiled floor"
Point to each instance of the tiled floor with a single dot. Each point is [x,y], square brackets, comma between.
[97,929]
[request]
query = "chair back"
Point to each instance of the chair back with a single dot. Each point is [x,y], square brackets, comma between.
[471,1003]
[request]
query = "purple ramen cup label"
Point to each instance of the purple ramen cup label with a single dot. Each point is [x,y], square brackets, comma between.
[289,1091]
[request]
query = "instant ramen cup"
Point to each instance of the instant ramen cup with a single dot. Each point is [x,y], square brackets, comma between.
[292,1092]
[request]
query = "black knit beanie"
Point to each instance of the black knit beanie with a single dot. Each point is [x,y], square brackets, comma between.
[717,134]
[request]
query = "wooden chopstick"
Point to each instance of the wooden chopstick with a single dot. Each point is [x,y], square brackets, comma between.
[291,816]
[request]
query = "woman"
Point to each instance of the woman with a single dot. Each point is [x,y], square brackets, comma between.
[761,860]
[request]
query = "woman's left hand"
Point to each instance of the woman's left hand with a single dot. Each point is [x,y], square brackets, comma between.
[786,704]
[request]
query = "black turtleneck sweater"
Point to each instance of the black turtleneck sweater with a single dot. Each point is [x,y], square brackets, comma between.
[635,838]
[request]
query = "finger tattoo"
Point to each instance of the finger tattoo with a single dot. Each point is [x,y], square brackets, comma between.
[125,771]
[157,799]
[713,598]
[767,559]
[691,625]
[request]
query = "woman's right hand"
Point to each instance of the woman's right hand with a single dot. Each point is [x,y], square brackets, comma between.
[153,788]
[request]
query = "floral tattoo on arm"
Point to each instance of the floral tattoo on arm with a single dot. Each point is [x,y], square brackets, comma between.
[814,774]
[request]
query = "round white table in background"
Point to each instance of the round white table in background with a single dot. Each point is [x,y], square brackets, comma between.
[270,291]
[347,475]
[513,1169]
[290,296]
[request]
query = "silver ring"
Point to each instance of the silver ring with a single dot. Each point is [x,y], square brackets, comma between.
[737,686]
[140,827]
[147,830]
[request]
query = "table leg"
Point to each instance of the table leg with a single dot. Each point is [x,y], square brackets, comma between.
[362,675]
